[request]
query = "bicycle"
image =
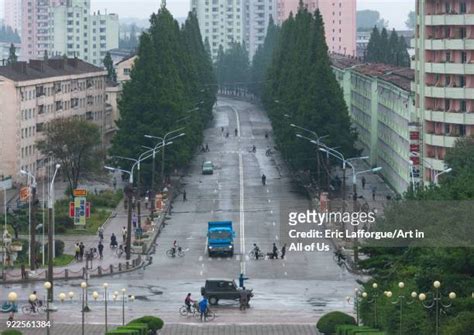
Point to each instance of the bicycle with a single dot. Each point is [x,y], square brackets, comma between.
[208,315]
[253,254]
[172,252]
[185,311]
[28,309]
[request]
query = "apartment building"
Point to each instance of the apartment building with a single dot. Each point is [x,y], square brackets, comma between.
[339,21]
[444,77]
[34,93]
[223,22]
[67,28]
[381,106]
[12,14]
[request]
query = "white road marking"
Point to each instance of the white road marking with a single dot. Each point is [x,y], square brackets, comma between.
[269,201]
[286,273]
[242,212]
[202,265]
[200,258]
[273,223]
[276,237]
[283,264]
[268,191]
[271,212]
[237,258]
[200,273]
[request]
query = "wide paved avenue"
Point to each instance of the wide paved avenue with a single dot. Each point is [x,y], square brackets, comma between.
[296,290]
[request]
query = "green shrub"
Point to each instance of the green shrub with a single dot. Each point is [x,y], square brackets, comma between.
[107,199]
[153,322]
[327,323]
[142,327]
[122,332]
[131,331]
[462,324]
[11,332]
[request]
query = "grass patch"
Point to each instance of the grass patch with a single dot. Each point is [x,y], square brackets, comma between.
[63,260]
[93,223]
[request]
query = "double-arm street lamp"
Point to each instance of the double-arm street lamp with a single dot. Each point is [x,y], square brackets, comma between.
[129,192]
[441,173]
[163,141]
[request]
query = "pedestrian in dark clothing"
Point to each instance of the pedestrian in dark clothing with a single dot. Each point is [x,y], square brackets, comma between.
[100,247]
[363,183]
[235,132]
[244,299]
[77,250]
[207,148]
[373,193]
[184,195]
[242,279]
[81,251]
[283,251]
[275,251]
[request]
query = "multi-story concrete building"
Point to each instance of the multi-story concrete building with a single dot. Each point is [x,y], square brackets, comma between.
[257,17]
[34,93]
[444,77]
[339,21]
[12,14]
[68,28]
[382,109]
[223,22]
[36,27]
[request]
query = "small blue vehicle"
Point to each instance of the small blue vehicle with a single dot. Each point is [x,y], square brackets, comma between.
[220,238]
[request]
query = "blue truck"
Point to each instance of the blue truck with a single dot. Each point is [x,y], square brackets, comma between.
[220,238]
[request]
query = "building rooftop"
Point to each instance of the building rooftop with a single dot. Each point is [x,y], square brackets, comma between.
[399,76]
[40,69]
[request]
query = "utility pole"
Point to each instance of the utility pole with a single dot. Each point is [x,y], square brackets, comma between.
[129,193]
[33,228]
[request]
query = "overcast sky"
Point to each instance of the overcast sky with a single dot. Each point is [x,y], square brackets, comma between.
[395,11]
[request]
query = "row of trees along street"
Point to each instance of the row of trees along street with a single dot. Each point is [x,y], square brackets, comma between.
[386,49]
[172,86]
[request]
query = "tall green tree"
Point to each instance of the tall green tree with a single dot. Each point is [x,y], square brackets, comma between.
[373,52]
[410,23]
[263,58]
[12,58]
[232,66]
[387,50]
[109,66]
[75,144]
[301,88]
[172,86]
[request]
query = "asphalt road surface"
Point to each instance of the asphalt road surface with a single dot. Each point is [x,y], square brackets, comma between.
[296,290]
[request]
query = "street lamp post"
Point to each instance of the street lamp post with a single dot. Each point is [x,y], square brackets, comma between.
[50,233]
[356,302]
[105,285]
[123,306]
[84,287]
[437,302]
[12,297]
[31,219]
[401,300]
[163,142]
[5,231]
[129,192]
[47,286]
[373,301]
[441,173]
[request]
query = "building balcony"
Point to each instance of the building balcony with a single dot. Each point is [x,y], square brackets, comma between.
[433,163]
[440,140]
[449,117]
[450,68]
[448,92]
[449,20]
[449,44]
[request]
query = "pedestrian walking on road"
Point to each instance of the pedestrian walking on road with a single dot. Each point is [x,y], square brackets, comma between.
[283,251]
[275,251]
[77,250]
[124,234]
[207,148]
[184,196]
[100,247]
[244,299]
[374,190]
[203,308]
[363,183]
[236,132]
[81,251]
[115,183]
[222,130]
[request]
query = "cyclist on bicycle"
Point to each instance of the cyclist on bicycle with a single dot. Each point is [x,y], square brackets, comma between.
[188,301]
[256,251]
[35,303]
